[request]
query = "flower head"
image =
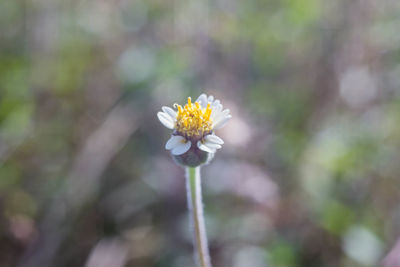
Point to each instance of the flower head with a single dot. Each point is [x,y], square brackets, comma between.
[194,126]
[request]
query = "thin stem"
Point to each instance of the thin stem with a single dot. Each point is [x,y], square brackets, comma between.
[195,204]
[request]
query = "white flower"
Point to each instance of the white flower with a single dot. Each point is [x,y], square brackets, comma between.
[194,124]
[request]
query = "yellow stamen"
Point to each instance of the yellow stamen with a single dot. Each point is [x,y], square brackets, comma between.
[192,120]
[208,112]
[180,109]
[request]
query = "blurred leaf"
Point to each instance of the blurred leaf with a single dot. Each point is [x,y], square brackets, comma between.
[282,254]
[336,217]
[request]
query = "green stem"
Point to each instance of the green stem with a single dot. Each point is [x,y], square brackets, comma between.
[195,204]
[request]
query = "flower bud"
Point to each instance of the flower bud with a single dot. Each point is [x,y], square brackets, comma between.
[193,157]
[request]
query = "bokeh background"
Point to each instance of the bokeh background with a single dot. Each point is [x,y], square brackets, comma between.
[308,175]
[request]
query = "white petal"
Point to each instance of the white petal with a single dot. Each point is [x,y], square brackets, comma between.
[174,141]
[202,99]
[216,105]
[225,112]
[212,145]
[210,98]
[181,148]
[205,148]
[214,139]
[216,111]
[216,102]
[220,115]
[220,123]
[170,112]
[166,120]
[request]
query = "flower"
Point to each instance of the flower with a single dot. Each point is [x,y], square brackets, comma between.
[194,125]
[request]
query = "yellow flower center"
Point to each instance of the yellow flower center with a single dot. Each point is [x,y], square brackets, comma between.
[192,120]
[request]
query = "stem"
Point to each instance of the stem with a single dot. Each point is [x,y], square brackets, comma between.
[195,204]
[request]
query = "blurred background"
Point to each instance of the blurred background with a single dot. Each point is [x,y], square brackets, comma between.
[308,175]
